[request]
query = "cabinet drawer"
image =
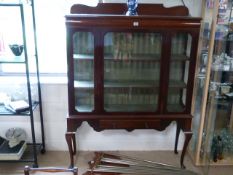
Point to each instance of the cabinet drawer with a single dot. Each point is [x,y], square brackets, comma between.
[130,124]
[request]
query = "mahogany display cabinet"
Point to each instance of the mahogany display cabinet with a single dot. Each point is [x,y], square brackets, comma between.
[130,72]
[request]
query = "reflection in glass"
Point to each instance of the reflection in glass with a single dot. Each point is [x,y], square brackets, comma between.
[200,81]
[83,55]
[131,71]
[178,72]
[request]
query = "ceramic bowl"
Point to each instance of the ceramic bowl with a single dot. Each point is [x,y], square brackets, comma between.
[16,49]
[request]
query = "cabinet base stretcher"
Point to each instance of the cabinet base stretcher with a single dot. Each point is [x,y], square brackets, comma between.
[71,141]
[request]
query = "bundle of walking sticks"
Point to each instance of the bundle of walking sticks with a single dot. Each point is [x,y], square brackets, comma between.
[118,164]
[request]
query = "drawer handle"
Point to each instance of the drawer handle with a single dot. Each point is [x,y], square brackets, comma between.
[135,23]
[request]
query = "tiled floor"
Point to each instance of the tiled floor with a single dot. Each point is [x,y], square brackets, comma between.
[61,159]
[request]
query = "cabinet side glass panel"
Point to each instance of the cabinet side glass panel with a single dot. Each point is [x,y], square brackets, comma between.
[217,138]
[178,72]
[131,71]
[199,91]
[83,56]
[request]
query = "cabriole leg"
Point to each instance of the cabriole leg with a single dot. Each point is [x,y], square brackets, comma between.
[188,136]
[70,139]
[178,128]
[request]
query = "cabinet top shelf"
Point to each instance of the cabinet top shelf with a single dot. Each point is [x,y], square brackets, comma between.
[72,17]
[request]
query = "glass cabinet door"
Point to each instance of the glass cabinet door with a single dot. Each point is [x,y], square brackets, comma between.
[131,71]
[83,56]
[178,72]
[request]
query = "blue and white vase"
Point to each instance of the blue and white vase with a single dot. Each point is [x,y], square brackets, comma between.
[132,6]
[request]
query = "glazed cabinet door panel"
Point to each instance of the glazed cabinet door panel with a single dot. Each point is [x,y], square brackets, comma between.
[181,44]
[131,71]
[83,67]
[131,63]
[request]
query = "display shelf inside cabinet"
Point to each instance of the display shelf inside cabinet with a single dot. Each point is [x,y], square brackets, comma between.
[127,84]
[130,72]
